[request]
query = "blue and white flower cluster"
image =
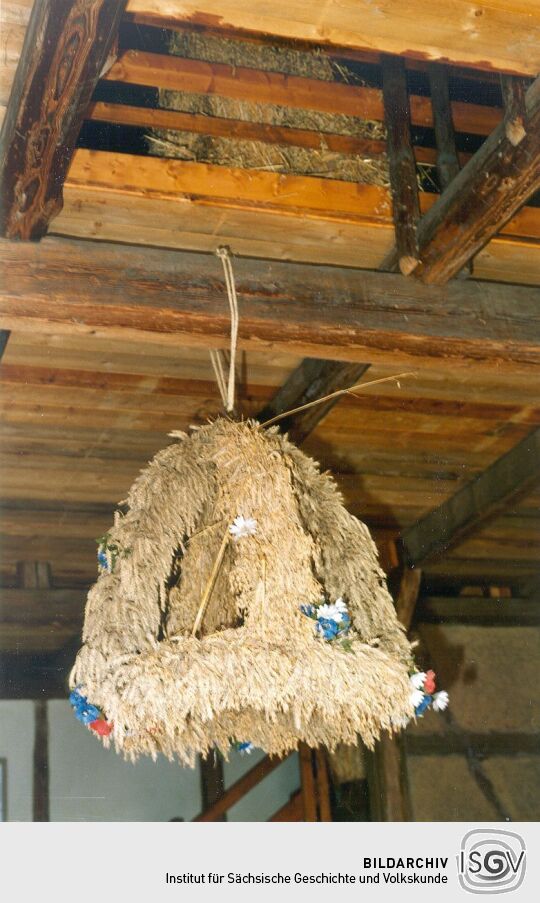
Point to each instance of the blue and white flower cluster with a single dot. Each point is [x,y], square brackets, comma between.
[84,711]
[245,748]
[423,693]
[332,620]
[107,554]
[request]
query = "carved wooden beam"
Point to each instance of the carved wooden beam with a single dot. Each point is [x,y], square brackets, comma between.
[66,47]
[470,506]
[491,187]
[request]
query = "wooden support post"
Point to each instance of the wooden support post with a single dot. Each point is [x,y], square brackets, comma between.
[315,788]
[388,781]
[212,783]
[307,783]
[402,164]
[445,137]
[37,575]
[447,157]
[513,91]
[41,761]
[65,49]
[312,379]
[407,597]
[239,789]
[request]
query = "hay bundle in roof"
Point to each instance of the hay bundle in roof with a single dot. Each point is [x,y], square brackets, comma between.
[259,668]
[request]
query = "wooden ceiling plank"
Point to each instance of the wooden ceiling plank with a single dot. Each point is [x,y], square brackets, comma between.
[486,495]
[64,51]
[489,34]
[82,287]
[218,127]
[155,70]
[492,186]
[110,178]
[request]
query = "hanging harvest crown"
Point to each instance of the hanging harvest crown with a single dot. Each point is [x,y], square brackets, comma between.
[239,602]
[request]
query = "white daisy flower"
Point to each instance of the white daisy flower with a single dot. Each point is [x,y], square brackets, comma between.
[416,698]
[331,612]
[417,680]
[440,701]
[243,526]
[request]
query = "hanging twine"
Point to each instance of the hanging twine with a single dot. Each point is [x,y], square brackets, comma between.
[226,388]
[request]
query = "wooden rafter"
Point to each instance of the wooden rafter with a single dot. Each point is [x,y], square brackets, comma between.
[492,186]
[65,50]
[470,506]
[328,312]
[312,379]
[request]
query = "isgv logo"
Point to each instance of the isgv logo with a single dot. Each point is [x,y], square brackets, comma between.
[491,861]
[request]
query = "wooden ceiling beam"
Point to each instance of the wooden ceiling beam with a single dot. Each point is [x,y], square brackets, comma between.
[485,35]
[312,379]
[73,286]
[65,49]
[486,495]
[487,192]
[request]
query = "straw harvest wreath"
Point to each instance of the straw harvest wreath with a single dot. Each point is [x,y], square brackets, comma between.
[239,603]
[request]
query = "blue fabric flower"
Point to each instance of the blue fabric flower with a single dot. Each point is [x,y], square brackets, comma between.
[425,704]
[329,629]
[84,711]
[103,561]
[245,749]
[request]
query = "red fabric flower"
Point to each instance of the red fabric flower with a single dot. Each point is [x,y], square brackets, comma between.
[101,727]
[429,683]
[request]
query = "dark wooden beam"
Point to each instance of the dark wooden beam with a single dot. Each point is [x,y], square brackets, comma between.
[402,164]
[40,676]
[36,612]
[312,379]
[76,287]
[443,124]
[41,762]
[478,611]
[4,338]
[407,597]
[513,89]
[490,188]
[389,795]
[212,782]
[239,789]
[36,575]
[450,742]
[470,506]
[65,49]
